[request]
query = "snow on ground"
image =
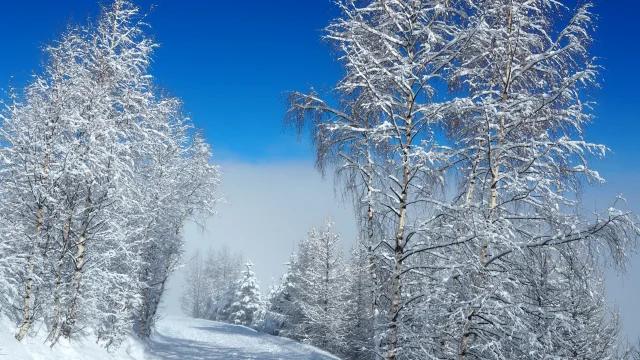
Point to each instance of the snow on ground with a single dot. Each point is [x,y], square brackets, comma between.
[34,347]
[193,339]
[175,338]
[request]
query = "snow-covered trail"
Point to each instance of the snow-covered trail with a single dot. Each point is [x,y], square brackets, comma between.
[194,339]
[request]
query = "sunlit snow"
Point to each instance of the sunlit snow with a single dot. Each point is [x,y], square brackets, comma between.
[174,338]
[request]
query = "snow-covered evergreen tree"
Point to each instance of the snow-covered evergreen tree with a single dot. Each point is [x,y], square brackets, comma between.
[566,311]
[247,299]
[320,293]
[359,305]
[281,311]
[282,315]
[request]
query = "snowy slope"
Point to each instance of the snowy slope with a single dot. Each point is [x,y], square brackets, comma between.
[34,346]
[174,338]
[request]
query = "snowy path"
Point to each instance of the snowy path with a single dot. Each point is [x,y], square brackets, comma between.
[192,339]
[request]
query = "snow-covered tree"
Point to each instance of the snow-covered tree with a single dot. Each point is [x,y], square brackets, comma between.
[99,173]
[565,306]
[310,304]
[196,288]
[359,305]
[282,313]
[632,352]
[247,301]
[320,293]
[463,182]
[32,127]
[518,142]
[223,269]
[220,310]
[394,53]
[185,183]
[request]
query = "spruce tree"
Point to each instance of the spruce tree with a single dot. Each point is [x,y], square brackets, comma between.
[247,299]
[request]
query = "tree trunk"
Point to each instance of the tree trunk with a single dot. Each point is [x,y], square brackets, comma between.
[472,182]
[464,342]
[399,246]
[142,327]
[26,311]
[79,264]
[495,172]
[150,305]
[57,296]
[397,281]
[372,259]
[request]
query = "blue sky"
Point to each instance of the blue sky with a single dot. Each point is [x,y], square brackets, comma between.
[231,60]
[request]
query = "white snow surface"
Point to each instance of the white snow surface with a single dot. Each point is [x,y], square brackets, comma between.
[174,338]
[194,339]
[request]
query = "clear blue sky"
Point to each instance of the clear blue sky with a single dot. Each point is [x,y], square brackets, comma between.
[230,61]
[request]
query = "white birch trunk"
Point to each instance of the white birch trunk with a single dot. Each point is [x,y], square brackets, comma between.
[78,270]
[57,296]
